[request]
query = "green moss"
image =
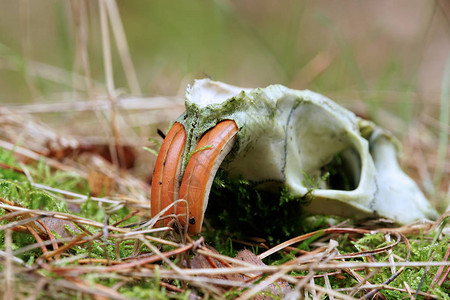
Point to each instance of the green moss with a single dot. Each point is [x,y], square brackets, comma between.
[150,289]
[238,209]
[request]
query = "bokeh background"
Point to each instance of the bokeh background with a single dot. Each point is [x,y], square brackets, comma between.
[384,59]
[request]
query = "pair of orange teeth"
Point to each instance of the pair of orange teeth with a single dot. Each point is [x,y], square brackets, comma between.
[169,185]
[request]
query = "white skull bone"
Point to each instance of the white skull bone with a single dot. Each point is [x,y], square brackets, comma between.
[287,135]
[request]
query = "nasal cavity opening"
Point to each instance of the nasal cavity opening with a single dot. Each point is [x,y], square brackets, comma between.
[344,171]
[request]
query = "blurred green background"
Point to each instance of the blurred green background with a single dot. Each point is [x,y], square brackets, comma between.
[352,49]
[383,59]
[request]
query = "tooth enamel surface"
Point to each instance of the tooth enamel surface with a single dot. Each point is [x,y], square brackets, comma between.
[285,134]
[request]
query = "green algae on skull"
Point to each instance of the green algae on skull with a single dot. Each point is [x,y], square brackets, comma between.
[285,134]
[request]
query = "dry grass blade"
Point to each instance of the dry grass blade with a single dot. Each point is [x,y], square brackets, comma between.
[387,287]
[39,241]
[129,103]
[51,236]
[48,255]
[262,285]
[396,274]
[328,286]
[110,88]
[78,9]
[64,216]
[124,267]
[309,235]
[88,288]
[122,46]
[36,156]
[442,272]
[330,293]
[16,260]
[106,48]
[320,267]
[8,266]
[15,224]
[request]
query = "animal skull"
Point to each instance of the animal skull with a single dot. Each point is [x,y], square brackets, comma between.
[274,136]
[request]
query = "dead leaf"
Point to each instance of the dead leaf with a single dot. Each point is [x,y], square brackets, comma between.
[59,226]
[100,184]
[281,287]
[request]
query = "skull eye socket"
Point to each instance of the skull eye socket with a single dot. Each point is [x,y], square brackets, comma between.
[323,145]
[344,171]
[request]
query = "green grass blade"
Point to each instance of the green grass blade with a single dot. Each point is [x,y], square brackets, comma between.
[444,123]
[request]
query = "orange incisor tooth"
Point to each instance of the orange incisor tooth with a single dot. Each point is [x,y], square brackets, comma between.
[165,181]
[201,170]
